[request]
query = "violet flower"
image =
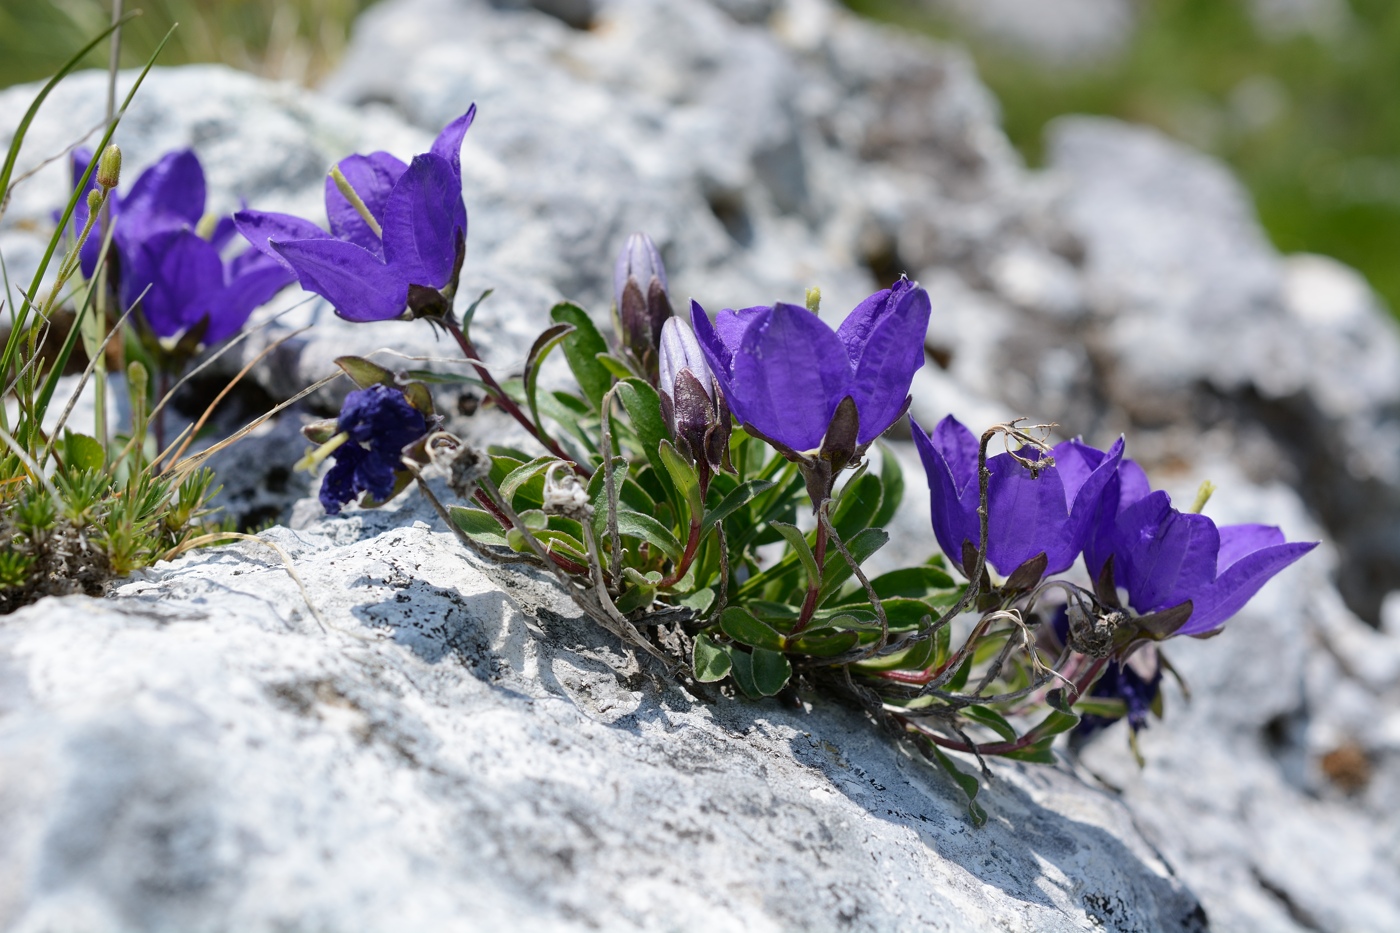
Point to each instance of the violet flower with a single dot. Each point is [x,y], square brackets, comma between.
[379,423]
[1049,514]
[817,395]
[1165,559]
[161,261]
[691,401]
[401,247]
[643,306]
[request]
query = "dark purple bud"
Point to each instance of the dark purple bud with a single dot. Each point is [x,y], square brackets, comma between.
[380,423]
[643,306]
[692,404]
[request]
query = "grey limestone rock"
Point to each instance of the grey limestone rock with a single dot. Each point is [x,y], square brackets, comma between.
[456,750]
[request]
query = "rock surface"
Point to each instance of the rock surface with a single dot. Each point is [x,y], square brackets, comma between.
[769,145]
[462,753]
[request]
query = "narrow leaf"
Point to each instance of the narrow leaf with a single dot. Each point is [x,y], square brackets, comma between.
[581,349]
[742,626]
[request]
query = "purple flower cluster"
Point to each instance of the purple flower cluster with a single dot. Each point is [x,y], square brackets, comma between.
[1099,504]
[178,276]
[401,247]
[379,423]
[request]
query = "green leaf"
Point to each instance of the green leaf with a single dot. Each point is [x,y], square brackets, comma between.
[638,525]
[479,525]
[1099,706]
[1040,753]
[581,349]
[917,657]
[616,366]
[959,679]
[709,661]
[860,500]
[470,313]
[742,626]
[798,542]
[862,546]
[81,452]
[1055,723]
[771,671]
[735,500]
[521,475]
[541,349]
[892,483]
[993,720]
[687,481]
[969,784]
[643,407]
[824,642]
[364,373]
[922,582]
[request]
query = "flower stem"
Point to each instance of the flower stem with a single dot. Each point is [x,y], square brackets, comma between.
[503,401]
[809,605]
[692,545]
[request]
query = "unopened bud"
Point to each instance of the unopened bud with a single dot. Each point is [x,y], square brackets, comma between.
[94,201]
[814,299]
[109,167]
[643,306]
[692,404]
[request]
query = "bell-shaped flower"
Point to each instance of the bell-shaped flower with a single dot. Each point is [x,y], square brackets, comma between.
[1165,559]
[693,405]
[378,423]
[185,284]
[786,375]
[643,305]
[1029,517]
[397,235]
[163,261]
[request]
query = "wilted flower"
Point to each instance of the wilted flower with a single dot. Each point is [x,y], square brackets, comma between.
[378,423]
[1049,513]
[818,395]
[1166,559]
[640,292]
[401,246]
[178,276]
[691,402]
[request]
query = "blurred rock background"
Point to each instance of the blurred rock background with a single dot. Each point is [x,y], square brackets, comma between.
[1114,277]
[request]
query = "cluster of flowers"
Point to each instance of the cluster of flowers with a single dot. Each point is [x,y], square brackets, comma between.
[818,396]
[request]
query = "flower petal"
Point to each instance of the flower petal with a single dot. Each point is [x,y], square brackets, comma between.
[423,219]
[174,186]
[719,340]
[178,271]
[1027,516]
[448,144]
[1238,541]
[262,228]
[789,374]
[1163,557]
[1215,604]
[373,178]
[253,286]
[885,355]
[359,286]
[946,465]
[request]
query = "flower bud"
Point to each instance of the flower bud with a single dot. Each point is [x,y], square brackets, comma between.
[94,201]
[109,167]
[691,401]
[639,288]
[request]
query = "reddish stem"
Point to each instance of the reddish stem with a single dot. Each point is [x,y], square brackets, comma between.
[568,566]
[692,545]
[505,402]
[809,605]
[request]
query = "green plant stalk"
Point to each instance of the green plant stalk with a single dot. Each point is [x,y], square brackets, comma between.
[7,358]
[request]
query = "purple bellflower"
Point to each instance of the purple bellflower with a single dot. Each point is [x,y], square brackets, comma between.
[819,396]
[1049,514]
[379,423]
[1170,560]
[179,277]
[1136,681]
[643,306]
[401,247]
[691,400]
